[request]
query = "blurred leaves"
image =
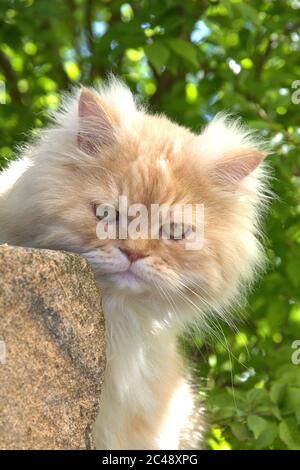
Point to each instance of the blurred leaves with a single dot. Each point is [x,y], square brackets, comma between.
[190,60]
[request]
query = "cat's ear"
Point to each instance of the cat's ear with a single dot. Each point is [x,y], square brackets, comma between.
[232,152]
[96,123]
[233,168]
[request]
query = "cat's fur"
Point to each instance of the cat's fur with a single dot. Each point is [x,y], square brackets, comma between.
[101,145]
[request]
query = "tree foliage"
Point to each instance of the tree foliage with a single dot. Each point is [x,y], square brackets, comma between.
[190,59]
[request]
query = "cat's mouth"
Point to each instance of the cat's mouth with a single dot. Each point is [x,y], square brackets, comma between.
[128,280]
[129,275]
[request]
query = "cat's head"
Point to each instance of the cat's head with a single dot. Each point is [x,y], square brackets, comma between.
[106,146]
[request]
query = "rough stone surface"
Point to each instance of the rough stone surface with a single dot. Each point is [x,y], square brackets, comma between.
[52,326]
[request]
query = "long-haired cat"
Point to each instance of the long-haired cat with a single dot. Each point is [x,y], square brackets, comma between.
[103,145]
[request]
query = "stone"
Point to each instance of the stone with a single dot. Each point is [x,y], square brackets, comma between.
[52,350]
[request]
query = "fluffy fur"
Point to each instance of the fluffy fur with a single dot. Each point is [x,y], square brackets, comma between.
[102,145]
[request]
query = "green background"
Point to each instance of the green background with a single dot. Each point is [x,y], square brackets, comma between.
[191,59]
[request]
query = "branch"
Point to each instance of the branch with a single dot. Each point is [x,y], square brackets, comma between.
[263,59]
[10,76]
[89,32]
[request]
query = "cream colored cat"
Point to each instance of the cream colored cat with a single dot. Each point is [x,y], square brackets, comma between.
[102,145]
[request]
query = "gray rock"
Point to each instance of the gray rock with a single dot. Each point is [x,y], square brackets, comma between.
[52,350]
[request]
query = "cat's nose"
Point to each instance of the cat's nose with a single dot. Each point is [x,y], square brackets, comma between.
[133,255]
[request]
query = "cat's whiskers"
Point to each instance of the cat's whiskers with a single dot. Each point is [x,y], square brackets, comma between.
[215,324]
[167,297]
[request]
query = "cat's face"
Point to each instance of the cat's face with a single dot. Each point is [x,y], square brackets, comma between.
[148,171]
[122,151]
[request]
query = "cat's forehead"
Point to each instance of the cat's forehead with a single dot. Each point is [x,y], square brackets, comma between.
[156,173]
[153,164]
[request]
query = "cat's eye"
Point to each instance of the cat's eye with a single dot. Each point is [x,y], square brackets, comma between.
[176,231]
[106,213]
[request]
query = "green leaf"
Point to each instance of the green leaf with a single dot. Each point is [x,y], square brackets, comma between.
[265,431]
[277,392]
[248,12]
[292,400]
[185,49]
[293,270]
[257,425]
[158,55]
[267,437]
[258,397]
[240,431]
[289,433]
[288,374]
[276,314]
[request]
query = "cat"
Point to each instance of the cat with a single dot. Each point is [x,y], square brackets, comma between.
[103,144]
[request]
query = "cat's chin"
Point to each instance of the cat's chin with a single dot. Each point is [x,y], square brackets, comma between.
[127,281]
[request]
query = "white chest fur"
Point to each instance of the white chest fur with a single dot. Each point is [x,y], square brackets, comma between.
[145,401]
